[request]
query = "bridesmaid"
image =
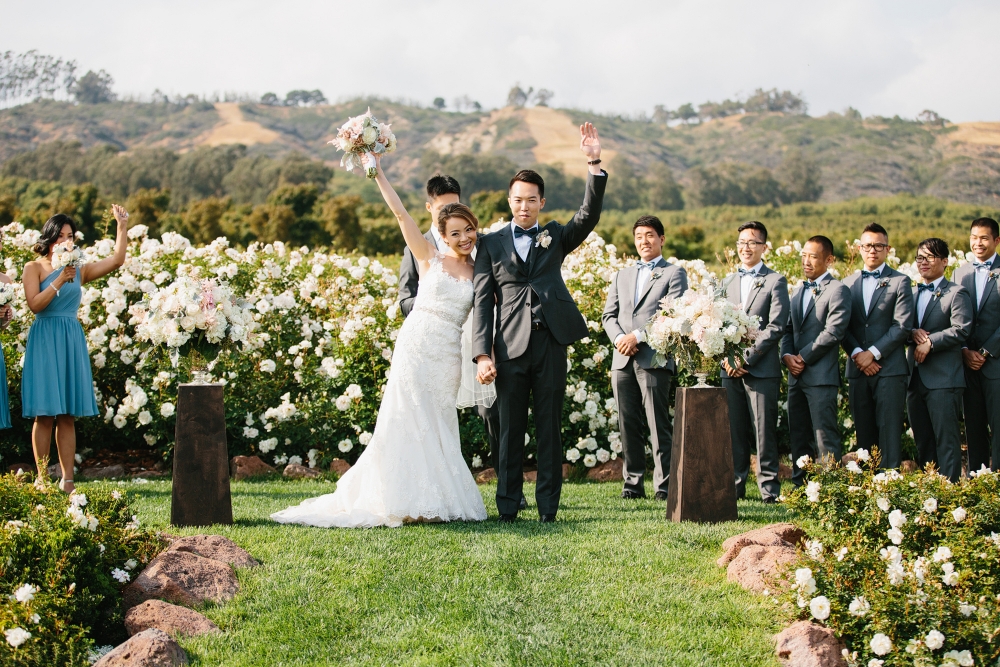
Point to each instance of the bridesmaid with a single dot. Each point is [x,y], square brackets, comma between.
[57,385]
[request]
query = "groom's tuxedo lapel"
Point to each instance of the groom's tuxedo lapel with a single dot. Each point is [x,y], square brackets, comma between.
[507,239]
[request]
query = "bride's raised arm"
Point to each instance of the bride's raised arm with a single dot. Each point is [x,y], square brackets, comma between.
[421,248]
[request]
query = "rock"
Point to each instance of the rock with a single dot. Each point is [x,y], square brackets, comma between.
[108,472]
[184,578]
[567,470]
[757,568]
[148,474]
[486,476]
[608,471]
[805,644]
[339,466]
[55,472]
[848,457]
[776,534]
[909,466]
[24,467]
[530,475]
[245,467]
[215,547]
[167,617]
[150,648]
[296,471]
[784,470]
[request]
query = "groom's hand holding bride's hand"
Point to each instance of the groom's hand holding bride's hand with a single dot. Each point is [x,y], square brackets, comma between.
[487,372]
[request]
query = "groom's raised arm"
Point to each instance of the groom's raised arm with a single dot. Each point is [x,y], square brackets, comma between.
[484,304]
[578,229]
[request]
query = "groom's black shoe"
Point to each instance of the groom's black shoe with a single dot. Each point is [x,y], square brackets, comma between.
[629,494]
[524,503]
[507,518]
[546,518]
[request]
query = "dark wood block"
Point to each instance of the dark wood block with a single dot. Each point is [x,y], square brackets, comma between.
[201,494]
[702,481]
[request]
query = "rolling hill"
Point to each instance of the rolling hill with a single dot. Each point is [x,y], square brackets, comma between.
[857,157]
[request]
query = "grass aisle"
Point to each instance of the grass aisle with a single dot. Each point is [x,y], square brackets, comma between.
[612,583]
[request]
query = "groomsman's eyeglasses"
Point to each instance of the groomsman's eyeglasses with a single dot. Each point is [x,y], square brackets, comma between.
[749,244]
[877,247]
[925,259]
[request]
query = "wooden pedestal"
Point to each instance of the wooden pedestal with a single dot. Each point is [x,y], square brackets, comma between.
[702,481]
[201,493]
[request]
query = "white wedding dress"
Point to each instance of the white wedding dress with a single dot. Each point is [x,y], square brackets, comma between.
[412,469]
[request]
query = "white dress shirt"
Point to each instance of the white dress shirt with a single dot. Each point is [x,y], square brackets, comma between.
[438,241]
[982,273]
[522,243]
[746,283]
[642,277]
[807,295]
[868,285]
[924,298]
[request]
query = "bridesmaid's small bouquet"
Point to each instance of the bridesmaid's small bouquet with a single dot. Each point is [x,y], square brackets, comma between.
[7,293]
[66,254]
[362,138]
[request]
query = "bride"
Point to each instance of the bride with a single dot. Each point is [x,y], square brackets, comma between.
[412,469]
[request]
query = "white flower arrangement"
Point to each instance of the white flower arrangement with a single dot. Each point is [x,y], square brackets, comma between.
[361,138]
[8,292]
[66,254]
[543,239]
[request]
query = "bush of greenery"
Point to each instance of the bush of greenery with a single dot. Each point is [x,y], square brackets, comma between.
[905,568]
[63,563]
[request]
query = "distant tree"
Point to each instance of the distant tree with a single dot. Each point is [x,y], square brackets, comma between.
[339,217]
[270,99]
[928,117]
[477,106]
[662,115]
[31,75]
[94,88]
[517,97]
[734,184]
[201,221]
[662,191]
[304,98]
[8,209]
[159,97]
[200,173]
[800,177]
[491,205]
[772,100]
[686,113]
[148,207]
[298,169]
[685,242]
[561,191]
[476,172]
[852,113]
[543,96]
[438,103]
[626,191]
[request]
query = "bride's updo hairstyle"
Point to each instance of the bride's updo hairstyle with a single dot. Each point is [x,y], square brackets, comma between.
[456,211]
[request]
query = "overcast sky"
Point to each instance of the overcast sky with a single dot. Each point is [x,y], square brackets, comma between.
[878,56]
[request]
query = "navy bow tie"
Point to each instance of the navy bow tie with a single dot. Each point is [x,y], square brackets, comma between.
[871,274]
[928,287]
[648,265]
[809,284]
[981,265]
[748,272]
[533,232]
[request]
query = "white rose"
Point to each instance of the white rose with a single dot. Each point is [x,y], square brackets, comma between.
[343,403]
[590,460]
[119,421]
[167,410]
[268,366]
[881,644]
[958,514]
[819,607]
[934,640]
[345,445]
[573,455]
[145,418]
[930,505]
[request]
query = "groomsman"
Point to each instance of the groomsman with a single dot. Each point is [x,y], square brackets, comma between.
[941,323]
[641,388]
[752,384]
[877,373]
[441,191]
[821,311]
[982,369]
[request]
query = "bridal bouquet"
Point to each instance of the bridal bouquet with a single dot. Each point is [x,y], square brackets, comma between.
[7,293]
[362,138]
[702,327]
[66,254]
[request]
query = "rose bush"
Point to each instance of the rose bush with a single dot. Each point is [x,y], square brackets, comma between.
[905,568]
[63,563]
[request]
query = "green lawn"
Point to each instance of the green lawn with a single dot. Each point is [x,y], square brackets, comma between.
[612,583]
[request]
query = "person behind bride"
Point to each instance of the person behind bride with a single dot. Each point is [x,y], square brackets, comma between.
[412,469]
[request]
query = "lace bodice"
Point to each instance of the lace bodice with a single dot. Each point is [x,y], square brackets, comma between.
[443,295]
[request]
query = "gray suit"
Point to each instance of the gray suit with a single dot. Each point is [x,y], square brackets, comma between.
[409,277]
[982,390]
[878,402]
[641,389]
[753,398]
[934,397]
[815,332]
[537,320]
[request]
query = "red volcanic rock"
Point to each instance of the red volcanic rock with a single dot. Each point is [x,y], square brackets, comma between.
[245,467]
[776,534]
[215,547]
[183,578]
[805,644]
[758,568]
[150,648]
[608,471]
[167,617]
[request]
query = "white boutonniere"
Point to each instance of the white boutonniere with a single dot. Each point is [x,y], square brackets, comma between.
[937,294]
[543,239]
[759,282]
[883,282]
[993,275]
[655,274]
[815,289]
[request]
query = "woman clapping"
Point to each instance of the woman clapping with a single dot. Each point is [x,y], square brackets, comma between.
[57,385]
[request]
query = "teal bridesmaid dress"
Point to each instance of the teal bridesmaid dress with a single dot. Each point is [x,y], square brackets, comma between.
[4,401]
[57,378]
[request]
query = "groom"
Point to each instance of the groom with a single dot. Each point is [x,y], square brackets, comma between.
[518,277]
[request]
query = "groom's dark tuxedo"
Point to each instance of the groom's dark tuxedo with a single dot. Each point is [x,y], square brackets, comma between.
[537,320]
